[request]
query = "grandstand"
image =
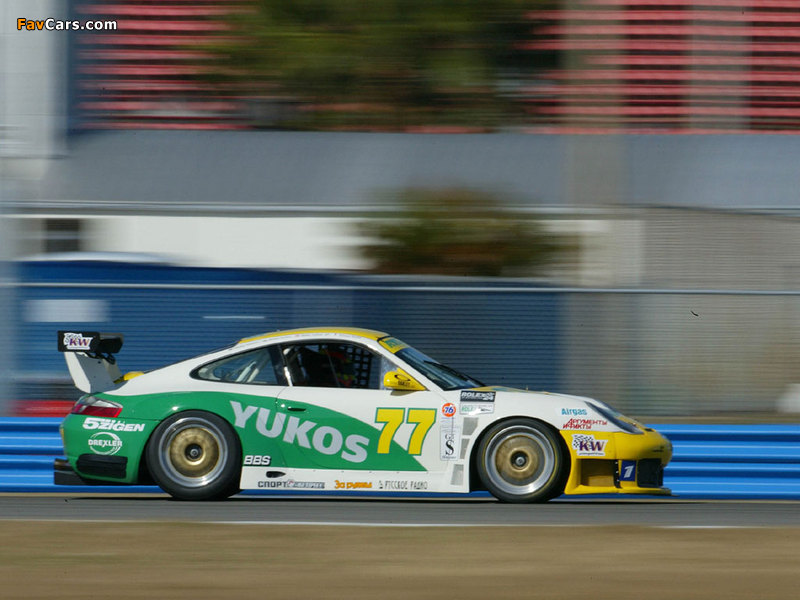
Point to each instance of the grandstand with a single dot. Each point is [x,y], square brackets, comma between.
[669,66]
[656,66]
[147,73]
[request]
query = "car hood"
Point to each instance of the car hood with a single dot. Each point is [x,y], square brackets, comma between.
[563,411]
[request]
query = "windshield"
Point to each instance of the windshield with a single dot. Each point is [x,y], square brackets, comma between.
[445,377]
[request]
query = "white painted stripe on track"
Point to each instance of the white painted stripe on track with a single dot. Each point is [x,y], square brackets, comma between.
[394,525]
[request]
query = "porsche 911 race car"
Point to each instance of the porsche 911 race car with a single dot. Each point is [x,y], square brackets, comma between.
[339,409]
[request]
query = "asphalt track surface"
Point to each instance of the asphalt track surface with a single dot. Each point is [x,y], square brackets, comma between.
[366,512]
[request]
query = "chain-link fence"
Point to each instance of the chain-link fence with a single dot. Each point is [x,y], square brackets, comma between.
[649,352]
[683,353]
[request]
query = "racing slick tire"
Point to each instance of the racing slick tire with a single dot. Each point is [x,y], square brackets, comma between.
[195,455]
[522,460]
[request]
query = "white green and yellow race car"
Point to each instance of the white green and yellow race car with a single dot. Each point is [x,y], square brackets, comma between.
[339,409]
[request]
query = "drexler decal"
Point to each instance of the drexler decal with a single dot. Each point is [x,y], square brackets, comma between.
[476,396]
[105,443]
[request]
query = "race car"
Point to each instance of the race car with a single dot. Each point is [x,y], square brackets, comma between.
[339,409]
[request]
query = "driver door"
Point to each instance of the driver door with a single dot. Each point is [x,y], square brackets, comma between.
[340,417]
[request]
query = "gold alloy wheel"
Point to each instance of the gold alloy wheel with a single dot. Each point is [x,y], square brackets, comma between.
[520,460]
[517,458]
[193,452]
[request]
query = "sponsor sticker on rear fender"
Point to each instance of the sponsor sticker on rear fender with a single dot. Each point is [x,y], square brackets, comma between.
[111,425]
[105,443]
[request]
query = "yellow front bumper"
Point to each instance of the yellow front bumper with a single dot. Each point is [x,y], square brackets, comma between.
[617,463]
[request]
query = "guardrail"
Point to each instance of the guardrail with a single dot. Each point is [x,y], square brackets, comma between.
[710,461]
[734,461]
[28,446]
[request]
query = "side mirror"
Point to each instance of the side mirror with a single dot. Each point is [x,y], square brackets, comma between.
[400,380]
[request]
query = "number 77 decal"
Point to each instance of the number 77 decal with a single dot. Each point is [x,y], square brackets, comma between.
[422,419]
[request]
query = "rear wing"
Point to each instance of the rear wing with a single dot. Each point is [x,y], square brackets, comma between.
[90,359]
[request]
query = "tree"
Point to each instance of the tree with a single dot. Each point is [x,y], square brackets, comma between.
[392,64]
[457,232]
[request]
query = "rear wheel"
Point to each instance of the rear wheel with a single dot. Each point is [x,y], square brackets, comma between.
[522,460]
[195,455]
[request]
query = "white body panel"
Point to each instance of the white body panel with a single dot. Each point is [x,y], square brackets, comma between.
[443,449]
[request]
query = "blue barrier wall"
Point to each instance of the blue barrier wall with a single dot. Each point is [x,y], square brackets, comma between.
[710,461]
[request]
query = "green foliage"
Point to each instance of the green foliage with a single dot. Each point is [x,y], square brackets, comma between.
[390,63]
[457,232]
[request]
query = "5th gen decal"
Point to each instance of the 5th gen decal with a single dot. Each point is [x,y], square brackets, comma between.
[393,418]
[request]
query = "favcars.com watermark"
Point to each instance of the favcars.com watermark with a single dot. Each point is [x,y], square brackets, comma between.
[61,25]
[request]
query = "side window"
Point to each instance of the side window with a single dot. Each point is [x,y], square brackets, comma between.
[253,367]
[332,364]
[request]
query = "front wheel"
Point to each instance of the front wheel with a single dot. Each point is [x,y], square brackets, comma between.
[522,460]
[195,455]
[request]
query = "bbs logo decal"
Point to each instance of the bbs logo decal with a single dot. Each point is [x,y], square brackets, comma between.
[257,460]
[105,443]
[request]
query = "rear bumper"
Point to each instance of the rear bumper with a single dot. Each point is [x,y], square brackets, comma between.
[102,466]
[64,474]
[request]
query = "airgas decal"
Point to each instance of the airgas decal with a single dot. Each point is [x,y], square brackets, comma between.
[343,443]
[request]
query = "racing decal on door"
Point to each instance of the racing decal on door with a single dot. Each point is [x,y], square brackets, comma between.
[392,418]
[343,442]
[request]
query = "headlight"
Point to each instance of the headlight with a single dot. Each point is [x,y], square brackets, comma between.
[615,417]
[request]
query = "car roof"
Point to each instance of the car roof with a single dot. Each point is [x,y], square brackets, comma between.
[354,331]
